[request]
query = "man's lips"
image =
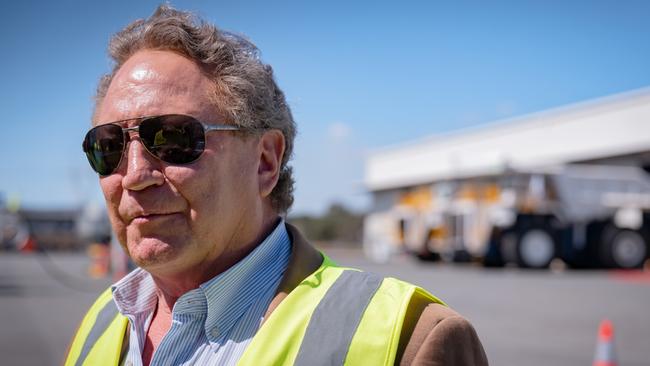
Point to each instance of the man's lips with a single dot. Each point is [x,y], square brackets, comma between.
[144,218]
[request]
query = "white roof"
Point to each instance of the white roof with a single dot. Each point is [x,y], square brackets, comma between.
[611,126]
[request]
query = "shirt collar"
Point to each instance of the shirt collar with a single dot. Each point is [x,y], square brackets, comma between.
[135,293]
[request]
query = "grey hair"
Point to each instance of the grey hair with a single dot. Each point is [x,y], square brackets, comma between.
[246,93]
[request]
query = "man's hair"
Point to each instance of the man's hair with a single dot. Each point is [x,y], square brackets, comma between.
[246,93]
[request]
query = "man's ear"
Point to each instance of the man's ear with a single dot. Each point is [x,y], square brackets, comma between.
[271,148]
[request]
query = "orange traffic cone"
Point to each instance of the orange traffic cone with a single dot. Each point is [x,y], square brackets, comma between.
[99,260]
[28,246]
[605,355]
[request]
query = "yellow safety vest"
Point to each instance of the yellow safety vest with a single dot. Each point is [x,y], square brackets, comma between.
[336,316]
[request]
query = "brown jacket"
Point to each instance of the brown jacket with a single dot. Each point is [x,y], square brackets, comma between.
[432,333]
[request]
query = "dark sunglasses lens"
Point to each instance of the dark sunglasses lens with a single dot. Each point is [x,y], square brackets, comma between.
[103,146]
[174,139]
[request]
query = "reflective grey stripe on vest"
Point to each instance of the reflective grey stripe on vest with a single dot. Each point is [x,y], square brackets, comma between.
[103,320]
[336,318]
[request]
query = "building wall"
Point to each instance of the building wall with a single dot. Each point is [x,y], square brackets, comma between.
[613,129]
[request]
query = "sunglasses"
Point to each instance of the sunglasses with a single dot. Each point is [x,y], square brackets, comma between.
[172,138]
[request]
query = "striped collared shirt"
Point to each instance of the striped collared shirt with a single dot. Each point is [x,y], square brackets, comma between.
[211,324]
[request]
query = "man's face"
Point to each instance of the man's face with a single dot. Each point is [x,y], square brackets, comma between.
[175,219]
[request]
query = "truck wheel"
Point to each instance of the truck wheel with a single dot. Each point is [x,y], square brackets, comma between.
[427,255]
[509,247]
[535,248]
[493,256]
[623,248]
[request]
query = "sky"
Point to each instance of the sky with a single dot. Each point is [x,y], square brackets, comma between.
[358,76]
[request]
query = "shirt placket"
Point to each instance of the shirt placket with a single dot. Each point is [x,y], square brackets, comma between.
[178,345]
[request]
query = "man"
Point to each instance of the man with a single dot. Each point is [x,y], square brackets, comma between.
[191,140]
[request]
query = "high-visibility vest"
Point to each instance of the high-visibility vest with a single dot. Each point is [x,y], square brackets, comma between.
[336,316]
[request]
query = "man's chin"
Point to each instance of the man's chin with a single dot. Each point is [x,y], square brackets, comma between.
[153,254]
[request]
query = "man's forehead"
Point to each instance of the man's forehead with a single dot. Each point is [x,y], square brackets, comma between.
[159,67]
[155,82]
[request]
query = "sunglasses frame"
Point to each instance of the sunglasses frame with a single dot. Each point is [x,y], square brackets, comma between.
[127,137]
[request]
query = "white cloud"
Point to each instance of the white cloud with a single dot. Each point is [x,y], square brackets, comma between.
[338,131]
[506,108]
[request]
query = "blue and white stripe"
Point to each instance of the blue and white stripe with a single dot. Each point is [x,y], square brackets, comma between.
[214,323]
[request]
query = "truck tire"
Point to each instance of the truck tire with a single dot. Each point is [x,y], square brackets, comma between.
[623,248]
[426,254]
[509,244]
[493,256]
[535,248]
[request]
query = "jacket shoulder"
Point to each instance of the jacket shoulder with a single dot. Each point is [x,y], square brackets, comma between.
[434,334]
[100,311]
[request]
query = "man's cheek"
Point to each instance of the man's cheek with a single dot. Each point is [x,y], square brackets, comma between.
[119,228]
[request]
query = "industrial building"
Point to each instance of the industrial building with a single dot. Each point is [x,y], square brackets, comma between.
[466,194]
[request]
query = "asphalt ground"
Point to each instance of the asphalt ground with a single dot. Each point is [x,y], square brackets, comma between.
[522,317]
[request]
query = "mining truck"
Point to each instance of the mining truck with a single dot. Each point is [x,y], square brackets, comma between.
[584,215]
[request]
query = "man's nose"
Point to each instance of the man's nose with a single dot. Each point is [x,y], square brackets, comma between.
[142,169]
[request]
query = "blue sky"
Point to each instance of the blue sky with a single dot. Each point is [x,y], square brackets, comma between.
[358,76]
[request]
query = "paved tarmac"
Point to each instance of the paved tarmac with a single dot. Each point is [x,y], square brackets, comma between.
[523,317]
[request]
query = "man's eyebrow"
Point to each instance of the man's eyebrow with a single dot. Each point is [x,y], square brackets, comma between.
[124,121]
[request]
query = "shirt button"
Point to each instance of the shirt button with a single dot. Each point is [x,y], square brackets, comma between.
[214,332]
